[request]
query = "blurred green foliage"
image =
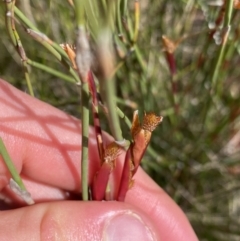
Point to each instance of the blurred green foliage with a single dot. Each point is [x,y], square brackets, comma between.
[194,154]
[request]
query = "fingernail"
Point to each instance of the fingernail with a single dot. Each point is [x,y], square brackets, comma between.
[125,227]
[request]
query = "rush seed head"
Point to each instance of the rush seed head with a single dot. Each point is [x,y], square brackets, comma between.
[151,121]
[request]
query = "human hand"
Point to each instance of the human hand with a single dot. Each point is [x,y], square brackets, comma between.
[44,145]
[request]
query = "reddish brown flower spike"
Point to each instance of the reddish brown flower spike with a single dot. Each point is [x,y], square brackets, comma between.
[141,135]
[101,179]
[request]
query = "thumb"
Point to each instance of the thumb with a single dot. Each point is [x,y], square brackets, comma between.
[71,220]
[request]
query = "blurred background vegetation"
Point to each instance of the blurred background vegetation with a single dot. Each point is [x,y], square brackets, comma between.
[190,77]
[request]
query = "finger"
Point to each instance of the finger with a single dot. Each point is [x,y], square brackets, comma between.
[170,222]
[39,193]
[44,142]
[169,218]
[77,221]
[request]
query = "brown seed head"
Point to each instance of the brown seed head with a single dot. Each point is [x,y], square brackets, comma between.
[151,121]
[111,152]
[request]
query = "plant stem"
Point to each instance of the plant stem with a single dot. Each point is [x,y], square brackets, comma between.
[9,163]
[47,43]
[17,42]
[107,85]
[85,133]
[137,21]
[52,47]
[27,77]
[124,117]
[79,10]
[226,29]
[216,85]
[112,113]
[16,184]
[50,71]
[24,19]
[83,64]
[28,23]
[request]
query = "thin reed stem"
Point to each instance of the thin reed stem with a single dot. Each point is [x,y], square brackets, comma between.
[221,52]
[9,163]
[85,133]
[83,61]
[111,106]
[50,71]
[10,22]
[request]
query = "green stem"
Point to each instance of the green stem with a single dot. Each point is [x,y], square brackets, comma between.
[228,14]
[52,47]
[107,84]
[9,163]
[27,77]
[83,68]
[85,134]
[47,43]
[25,20]
[10,21]
[111,106]
[17,42]
[50,71]
[119,21]
[140,58]
[226,29]
[216,84]
[124,117]
[28,23]
[79,10]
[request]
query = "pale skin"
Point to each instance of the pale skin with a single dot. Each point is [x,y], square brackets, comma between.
[44,144]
